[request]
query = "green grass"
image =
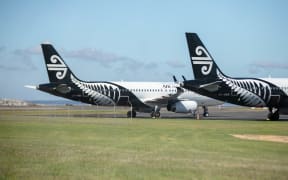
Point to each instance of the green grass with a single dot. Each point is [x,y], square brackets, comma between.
[43,147]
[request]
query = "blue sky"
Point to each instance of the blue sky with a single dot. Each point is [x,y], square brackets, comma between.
[138,40]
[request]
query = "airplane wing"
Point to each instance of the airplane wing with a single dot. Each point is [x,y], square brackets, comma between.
[164,99]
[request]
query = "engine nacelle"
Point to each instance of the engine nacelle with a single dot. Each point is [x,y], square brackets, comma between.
[183,107]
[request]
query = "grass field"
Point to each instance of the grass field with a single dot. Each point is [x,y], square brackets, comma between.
[45,145]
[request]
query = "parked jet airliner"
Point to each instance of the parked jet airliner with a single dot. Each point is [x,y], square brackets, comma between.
[141,96]
[210,81]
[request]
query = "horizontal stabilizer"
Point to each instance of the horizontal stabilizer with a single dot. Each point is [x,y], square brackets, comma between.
[31,86]
[211,87]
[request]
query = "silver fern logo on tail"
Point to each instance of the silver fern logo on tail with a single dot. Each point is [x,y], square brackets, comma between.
[203,58]
[58,66]
[101,93]
[251,92]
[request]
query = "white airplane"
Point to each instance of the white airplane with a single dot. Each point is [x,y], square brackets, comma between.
[253,92]
[141,96]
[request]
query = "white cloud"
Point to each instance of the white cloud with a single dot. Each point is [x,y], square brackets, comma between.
[175,64]
[271,65]
[105,59]
[260,66]
[108,59]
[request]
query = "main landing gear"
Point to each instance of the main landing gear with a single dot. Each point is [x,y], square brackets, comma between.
[131,114]
[155,114]
[273,114]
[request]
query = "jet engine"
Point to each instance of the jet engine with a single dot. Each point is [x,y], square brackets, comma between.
[183,107]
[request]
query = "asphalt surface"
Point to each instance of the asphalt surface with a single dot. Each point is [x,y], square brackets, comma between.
[223,113]
[215,113]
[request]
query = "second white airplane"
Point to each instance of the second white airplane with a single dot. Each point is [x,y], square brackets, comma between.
[141,96]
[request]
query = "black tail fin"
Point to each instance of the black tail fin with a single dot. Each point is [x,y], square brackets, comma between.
[202,62]
[57,70]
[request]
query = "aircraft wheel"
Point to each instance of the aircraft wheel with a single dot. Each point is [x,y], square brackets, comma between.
[206,114]
[276,116]
[152,114]
[131,114]
[134,114]
[269,116]
[273,116]
[157,114]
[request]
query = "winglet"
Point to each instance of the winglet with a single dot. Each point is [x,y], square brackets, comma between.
[174,79]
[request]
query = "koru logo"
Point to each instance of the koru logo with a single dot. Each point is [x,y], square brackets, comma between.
[205,60]
[58,66]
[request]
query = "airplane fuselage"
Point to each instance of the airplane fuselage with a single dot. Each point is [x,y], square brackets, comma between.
[142,96]
[245,92]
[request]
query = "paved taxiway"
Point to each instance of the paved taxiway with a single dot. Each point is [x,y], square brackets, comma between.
[224,113]
[215,113]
